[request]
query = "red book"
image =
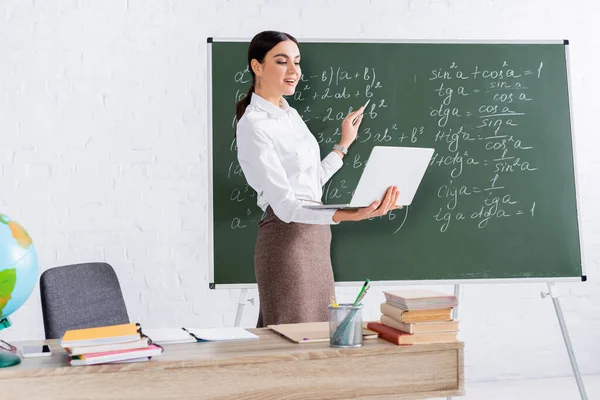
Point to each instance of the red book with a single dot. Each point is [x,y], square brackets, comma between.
[402,338]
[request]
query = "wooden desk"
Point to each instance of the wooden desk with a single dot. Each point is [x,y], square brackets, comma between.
[270,368]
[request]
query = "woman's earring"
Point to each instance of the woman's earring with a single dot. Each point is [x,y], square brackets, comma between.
[258,82]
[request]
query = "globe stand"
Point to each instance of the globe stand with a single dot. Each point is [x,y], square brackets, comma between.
[7,359]
[5,323]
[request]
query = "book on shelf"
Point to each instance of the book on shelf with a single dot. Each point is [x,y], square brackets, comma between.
[420,327]
[420,299]
[409,317]
[402,338]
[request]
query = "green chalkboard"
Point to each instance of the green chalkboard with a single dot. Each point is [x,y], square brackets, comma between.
[498,199]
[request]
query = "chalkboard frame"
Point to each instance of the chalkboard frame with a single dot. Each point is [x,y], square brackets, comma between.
[211,265]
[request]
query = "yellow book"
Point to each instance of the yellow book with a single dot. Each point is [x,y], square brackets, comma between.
[101,335]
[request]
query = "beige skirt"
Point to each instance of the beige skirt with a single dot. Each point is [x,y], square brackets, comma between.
[293,270]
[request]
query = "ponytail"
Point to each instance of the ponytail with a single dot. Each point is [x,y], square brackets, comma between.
[240,107]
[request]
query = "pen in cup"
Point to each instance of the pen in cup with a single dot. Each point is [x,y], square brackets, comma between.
[362,292]
[333,302]
[343,326]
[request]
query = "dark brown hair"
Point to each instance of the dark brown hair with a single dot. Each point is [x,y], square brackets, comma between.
[260,45]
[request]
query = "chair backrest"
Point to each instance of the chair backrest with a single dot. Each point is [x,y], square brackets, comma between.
[81,296]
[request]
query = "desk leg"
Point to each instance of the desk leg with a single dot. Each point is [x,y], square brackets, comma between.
[563,327]
[455,312]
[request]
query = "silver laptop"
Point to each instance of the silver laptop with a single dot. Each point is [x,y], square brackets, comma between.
[387,166]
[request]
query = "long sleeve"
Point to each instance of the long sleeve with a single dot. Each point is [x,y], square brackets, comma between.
[265,174]
[329,166]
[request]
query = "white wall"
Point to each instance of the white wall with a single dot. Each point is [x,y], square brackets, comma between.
[103,155]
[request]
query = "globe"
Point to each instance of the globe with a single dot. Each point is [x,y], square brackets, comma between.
[18,275]
[18,267]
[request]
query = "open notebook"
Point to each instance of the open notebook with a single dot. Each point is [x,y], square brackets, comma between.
[192,335]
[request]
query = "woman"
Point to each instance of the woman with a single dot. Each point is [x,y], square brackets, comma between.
[280,159]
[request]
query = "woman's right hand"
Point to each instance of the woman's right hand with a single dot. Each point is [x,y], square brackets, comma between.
[349,130]
[379,207]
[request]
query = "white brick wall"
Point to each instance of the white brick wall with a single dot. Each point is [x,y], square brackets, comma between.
[103,156]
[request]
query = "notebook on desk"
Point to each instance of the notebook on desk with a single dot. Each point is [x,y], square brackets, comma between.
[311,332]
[403,167]
[193,335]
[220,334]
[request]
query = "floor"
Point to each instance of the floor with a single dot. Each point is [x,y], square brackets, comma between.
[532,389]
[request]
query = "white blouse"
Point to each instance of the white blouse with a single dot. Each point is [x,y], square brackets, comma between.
[281,161]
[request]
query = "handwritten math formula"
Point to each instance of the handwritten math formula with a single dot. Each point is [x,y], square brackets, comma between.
[473,117]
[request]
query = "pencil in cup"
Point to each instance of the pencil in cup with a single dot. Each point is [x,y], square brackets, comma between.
[345,325]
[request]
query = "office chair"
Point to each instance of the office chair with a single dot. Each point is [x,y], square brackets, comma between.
[79,296]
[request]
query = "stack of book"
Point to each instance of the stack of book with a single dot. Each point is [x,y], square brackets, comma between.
[108,344]
[417,316]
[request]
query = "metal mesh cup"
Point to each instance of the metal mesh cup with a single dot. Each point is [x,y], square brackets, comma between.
[345,326]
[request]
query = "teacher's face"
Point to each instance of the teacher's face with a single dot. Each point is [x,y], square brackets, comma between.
[280,71]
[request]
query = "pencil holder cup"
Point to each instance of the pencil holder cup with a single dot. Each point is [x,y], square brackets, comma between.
[345,326]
